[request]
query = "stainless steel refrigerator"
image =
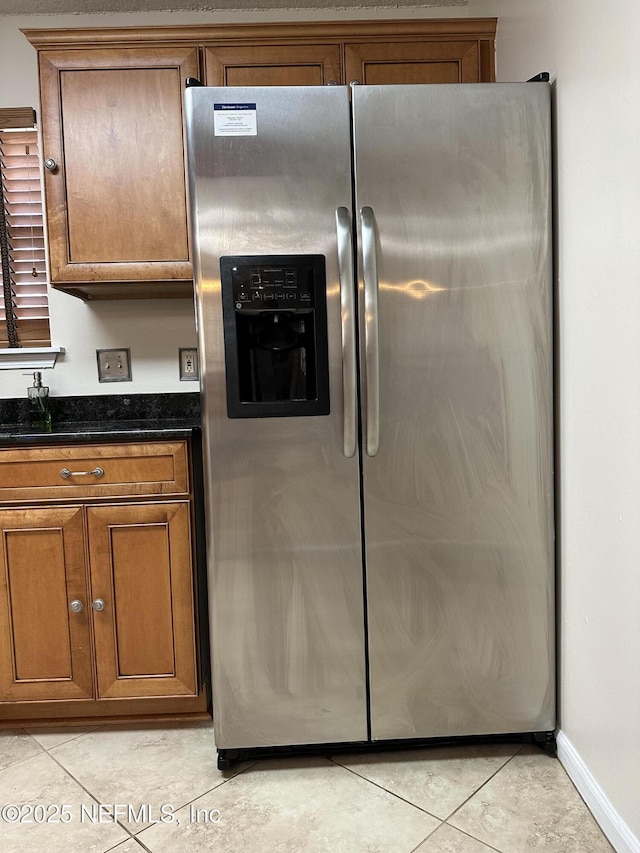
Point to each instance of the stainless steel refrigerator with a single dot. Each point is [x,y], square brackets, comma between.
[374,308]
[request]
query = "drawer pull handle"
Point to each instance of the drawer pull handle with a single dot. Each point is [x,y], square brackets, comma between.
[98,605]
[76,605]
[66,473]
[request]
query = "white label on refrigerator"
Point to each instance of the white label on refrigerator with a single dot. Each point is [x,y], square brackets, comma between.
[235,120]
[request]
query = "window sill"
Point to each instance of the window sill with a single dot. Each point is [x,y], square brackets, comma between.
[36,358]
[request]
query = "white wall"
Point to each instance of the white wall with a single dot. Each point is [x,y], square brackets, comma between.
[152,329]
[591,49]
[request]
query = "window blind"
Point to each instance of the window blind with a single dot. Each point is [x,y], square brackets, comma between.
[24,311]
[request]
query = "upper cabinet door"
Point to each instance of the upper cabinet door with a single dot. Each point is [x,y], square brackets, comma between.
[273,65]
[417,62]
[116,196]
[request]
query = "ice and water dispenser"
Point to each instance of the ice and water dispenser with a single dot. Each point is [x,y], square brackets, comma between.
[275,334]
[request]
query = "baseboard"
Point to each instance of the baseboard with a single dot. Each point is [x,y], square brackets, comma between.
[618,833]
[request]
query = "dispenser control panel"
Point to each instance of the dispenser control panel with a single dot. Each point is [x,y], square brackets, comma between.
[276,288]
[274,309]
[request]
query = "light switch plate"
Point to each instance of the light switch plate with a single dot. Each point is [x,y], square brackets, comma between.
[188,364]
[114,365]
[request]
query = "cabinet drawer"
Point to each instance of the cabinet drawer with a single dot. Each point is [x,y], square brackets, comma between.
[93,471]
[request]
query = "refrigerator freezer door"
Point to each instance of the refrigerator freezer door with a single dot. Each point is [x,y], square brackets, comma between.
[284,544]
[458,501]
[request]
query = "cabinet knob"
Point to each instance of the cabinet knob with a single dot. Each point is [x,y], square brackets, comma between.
[98,605]
[50,164]
[76,605]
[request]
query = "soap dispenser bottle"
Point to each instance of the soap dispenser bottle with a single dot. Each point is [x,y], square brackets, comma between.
[39,413]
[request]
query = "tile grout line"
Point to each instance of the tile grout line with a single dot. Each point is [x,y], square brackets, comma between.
[131,835]
[425,811]
[421,808]
[46,752]
[427,837]
[189,802]
[64,742]
[126,841]
[468,834]
[387,791]
[87,791]
[480,787]
[477,791]
[28,757]
[445,822]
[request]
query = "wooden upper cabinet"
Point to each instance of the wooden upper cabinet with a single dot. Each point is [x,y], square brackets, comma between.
[116,197]
[112,122]
[414,62]
[273,65]
[380,52]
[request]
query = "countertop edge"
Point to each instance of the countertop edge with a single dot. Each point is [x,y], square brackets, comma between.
[88,432]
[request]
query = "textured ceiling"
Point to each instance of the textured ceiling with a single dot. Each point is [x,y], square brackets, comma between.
[55,7]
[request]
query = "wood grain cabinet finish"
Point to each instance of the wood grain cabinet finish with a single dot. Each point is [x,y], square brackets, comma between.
[97,586]
[111,105]
[116,198]
[45,649]
[76,471]
[377,63]
[273,65]
[140,566]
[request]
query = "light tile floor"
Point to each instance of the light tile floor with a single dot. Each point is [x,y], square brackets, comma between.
[158,789]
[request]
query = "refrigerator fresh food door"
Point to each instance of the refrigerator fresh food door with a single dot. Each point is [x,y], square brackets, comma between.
[453,203]
[270,194]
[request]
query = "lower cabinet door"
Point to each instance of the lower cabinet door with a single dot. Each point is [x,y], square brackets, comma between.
[45,650]
[142,599]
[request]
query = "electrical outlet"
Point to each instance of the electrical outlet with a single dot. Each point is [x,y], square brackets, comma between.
[114,365]
[188,364]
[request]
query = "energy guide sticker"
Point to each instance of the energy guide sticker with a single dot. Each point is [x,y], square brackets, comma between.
[235,120]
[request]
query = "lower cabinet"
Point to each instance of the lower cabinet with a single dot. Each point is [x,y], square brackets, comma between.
[97,609]
[45,643]
[141,600]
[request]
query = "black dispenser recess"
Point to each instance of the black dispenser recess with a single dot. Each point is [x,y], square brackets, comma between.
[275,335]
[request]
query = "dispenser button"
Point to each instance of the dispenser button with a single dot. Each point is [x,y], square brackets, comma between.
[279,295]
[257,295]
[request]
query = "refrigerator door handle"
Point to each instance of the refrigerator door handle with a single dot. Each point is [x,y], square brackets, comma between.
[348,320]
[371,348]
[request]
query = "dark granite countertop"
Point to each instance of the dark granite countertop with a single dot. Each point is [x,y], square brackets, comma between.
[135,417]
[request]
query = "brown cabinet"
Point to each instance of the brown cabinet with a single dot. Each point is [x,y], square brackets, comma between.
[97,594]
[380,52]
[140,568]
[115,181]
[111,104]
[377,63]
[273,65]
[45,648]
